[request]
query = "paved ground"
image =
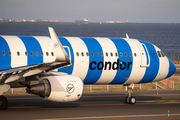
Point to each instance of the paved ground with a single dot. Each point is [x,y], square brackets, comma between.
[96,106]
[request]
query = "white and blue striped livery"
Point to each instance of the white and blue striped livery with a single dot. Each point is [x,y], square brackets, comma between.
[92,60]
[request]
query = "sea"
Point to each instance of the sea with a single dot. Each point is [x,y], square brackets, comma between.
[164,35]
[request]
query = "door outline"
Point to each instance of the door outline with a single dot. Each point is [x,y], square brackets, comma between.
[145,58]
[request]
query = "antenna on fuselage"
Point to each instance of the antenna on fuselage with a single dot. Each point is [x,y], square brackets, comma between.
[127,36]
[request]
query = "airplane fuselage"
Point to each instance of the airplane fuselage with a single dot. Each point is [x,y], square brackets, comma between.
[94,60]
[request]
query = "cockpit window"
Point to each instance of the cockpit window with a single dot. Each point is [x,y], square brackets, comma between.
[160,54]
[163,55]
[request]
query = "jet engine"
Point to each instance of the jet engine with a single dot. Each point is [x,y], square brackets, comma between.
[65,88]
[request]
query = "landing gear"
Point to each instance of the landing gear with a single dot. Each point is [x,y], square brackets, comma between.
[129,99]
[3,102]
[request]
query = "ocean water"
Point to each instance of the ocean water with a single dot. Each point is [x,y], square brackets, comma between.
[165,36]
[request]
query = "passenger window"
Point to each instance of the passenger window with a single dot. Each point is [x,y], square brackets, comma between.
[42,53]
[82,53]
[97,54]
[92,54]
[18,53]
[26,53]
[47,54]
[130,54]
[135,54]
[111,54]
[77,53]
[87,54]
[9,53]
[126,54]
[31,53]
[52,53]
[3,53]
[106,54]
[37,53]
[101,54]
[121,54]
[116,54]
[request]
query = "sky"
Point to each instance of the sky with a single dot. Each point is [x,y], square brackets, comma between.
[140,11]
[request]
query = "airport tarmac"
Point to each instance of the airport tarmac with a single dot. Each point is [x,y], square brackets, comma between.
[96,106]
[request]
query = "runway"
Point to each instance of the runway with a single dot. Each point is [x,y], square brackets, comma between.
[96,106]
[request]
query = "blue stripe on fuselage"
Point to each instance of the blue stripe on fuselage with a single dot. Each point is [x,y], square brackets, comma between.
[93,46]
[151,72]
[65,42]
[123,47]
[172,68]
[5,61]
[32,45]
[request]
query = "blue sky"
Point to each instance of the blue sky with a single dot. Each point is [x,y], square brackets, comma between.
[153,11]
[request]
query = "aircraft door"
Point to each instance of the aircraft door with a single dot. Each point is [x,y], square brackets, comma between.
[68,52]
[145,59]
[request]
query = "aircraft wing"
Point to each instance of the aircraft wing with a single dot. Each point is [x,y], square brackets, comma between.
[14,74]
[62,60]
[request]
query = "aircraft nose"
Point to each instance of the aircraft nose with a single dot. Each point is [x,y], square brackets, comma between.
[172,68]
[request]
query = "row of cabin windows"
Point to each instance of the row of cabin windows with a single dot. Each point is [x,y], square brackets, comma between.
[31,53]
[77,53]
[106,54]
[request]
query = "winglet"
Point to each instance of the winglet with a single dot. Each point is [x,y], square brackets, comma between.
[61,55]
[127,36]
